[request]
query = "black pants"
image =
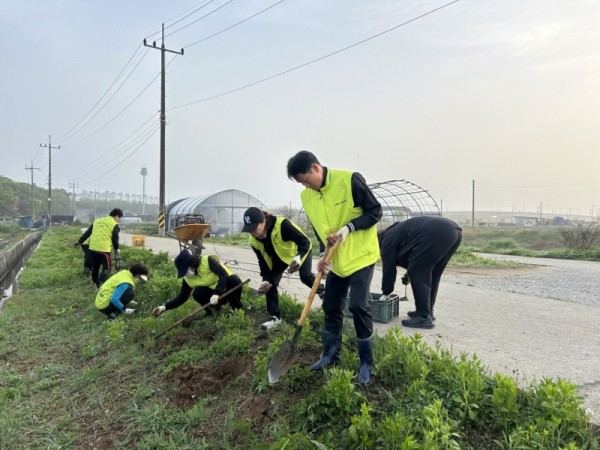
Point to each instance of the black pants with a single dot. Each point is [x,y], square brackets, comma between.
[88,259]
[202,294]
[112,311]
[100,259]
[425,271]
[359,284]
[306,276]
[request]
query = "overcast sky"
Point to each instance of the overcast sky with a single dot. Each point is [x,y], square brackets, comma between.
[506,93]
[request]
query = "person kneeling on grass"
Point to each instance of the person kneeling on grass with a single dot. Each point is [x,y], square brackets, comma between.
[116,294]
[205,278]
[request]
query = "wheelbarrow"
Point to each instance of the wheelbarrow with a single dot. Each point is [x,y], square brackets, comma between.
[190,236]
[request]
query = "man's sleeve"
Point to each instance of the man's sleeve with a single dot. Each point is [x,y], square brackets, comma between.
[262,265]
[181,298]
[365,199]
[388,261]
[86,234]
[215,266]
[290,233]
[115,237]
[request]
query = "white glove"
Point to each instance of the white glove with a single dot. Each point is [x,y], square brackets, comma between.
[129,311]
[295,264]
[384,297]
[339,235]
[214,300]
[132,303]
[264,287]
[159,310]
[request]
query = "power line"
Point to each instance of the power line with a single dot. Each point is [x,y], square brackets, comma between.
[179,20]
[199,18]
[103,157]
[235,24]
[64,135]
[212,97]
[107,102]
[124,159]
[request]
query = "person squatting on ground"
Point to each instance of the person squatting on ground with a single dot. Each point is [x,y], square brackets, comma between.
[117,293]
[279,244]
[205,278]
[340,205]
[104,236]
[423,246]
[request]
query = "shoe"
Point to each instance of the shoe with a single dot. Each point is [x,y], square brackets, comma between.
[321,291]
[271,323]
[418,322]
[412,314]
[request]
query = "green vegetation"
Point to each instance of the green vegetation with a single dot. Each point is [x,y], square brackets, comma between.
[541,242]
[10,233]
[71,379]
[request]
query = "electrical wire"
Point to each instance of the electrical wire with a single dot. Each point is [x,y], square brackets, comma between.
[108,160]
[212,97]
[235,24]
[179,20]
[66,135]
[199,18]
[67,144]
[104,155]
[123,160]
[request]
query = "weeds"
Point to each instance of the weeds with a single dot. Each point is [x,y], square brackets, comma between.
[71,379]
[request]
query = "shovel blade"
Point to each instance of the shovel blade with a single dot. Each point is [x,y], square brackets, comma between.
[285,358]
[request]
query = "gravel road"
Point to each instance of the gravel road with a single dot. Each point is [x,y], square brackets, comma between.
[567,280]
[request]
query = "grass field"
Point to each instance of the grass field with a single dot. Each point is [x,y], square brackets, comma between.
[70,379]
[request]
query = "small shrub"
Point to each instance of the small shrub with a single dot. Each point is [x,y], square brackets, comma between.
[581,237]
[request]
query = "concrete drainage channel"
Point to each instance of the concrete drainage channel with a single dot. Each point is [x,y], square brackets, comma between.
[11,262]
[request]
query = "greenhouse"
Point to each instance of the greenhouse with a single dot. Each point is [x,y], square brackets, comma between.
[223,211]
[401,200]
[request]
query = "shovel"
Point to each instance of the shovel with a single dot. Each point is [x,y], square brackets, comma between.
[180,321]
[287,354]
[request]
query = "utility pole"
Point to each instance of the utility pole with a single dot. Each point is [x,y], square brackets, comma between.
[73,185]
[49,147]
[32,195]
[473,206]
[144,173]
[163,120]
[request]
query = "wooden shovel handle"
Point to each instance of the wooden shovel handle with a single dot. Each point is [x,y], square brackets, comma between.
[315,287]
[202,308]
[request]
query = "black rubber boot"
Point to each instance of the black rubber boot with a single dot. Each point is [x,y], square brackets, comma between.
[331,350]
[365,353]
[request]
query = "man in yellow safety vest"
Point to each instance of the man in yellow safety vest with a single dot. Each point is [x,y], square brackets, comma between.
[340,206]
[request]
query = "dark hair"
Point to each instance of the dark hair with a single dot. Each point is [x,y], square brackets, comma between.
[301,162]
[116,212]
[138,269]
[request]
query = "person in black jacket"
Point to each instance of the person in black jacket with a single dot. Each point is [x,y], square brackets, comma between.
[205,278]
[422,245]
[279,244]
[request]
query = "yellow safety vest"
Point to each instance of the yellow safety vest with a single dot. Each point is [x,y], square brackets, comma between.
[108,288]
[331,208]
[286,250]
[101,238]
[205,276]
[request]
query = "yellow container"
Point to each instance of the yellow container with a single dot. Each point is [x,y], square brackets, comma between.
[138,241]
